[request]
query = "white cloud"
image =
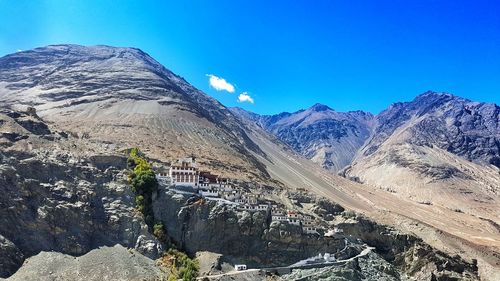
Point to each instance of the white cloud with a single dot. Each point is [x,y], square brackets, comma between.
[245,97]
[220,84]
[19,50]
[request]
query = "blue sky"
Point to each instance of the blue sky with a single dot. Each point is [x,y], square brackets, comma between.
[287,55]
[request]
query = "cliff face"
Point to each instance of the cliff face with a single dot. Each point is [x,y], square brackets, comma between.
[248,238]
[241,236]
[56,200]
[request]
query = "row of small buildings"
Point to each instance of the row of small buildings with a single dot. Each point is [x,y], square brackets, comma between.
[185,174]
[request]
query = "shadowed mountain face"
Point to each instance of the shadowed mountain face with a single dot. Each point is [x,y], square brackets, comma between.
[323,135]
[124,97]
[462,127]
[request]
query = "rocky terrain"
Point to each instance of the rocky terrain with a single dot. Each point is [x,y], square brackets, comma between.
[67,114]
[105,263]
[438,149]
[321,134]
[54,200]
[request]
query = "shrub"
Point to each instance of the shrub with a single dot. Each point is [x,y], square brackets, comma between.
[139,202]
[184,267]
[160,232]
[143,181]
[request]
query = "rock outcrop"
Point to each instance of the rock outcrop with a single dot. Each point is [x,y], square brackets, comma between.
[105,263]
[11,257]
[408,254]
[54,199]
[245,237]
[60,204]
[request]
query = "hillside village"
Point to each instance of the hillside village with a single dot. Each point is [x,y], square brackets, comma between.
[184,176]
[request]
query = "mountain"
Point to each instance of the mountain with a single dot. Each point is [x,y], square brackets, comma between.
[436,144]
[123,97]
[68,113]
[460,126]
[321,134]
[438,149]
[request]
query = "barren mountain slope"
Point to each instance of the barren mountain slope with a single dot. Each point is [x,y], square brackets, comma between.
[321,134]
[125,98]
[466,234]
[438,149]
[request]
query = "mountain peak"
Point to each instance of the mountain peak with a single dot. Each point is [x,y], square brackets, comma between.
[320,107]
[435,95]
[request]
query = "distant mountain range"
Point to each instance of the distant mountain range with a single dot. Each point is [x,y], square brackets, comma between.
[436,144]
[334,139]
[325,136]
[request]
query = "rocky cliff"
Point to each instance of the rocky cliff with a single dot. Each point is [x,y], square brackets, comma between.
[243,237]
[56,200]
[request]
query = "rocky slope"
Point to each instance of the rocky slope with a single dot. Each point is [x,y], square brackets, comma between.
[460,126]
[106,263]
[323,135]
[124,97]
[242,237]
[451,227]
[56,200]
[437,149]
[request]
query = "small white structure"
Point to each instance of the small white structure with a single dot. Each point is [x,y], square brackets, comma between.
[338,230]
[278,218]
[232,195]
[277,214]
[163,179]
[239,200]
[251,199]
[329,257]
[333,232]
[310,230]
[240,267]
[208,192]
[262,207]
